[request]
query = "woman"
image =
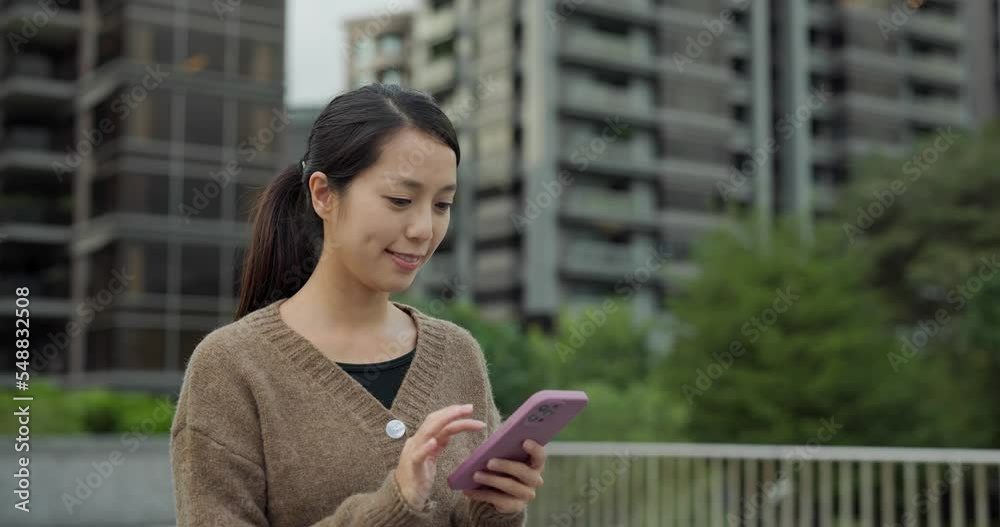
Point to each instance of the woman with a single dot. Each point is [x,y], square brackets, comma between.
[325,403]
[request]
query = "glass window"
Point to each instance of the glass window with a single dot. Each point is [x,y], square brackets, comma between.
[148,118]
[203,119]
[152,44]
[206,51]
[147,261]
[109,118]
[141,349]
[144,193]
[200,266]
[390,45]
[261,61]
[364,51]
[110,43]
[99,349]
[392,77]
[254,127]
[202,199]
[102,263]
[102,195]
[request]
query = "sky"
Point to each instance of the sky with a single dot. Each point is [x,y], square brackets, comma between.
[315,51]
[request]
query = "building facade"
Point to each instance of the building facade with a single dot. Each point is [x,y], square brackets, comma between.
[603,138]
[136,135]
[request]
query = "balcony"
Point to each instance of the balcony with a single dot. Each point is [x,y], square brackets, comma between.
[588,94]
[937,110]
[494,218]
[599,259]
[33,83]
[736,42]
[677,172]
[436,25]
[436,75]
[872,106]
[607,205]
[634,50]
[589,151]
[695,120]
[60,29]
[34,148]
[861,147]
[629,9]
[824,150]
[497,270]
[440,270]
[937,27]
[870,62]
[26,208]
[936,67]
[678,221]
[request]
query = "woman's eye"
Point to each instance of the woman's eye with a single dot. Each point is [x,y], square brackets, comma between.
[444,205]
[399,201]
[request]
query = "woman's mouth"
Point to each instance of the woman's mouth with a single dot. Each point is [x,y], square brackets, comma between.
[406,261]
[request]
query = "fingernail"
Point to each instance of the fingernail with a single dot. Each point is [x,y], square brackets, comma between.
[467,407]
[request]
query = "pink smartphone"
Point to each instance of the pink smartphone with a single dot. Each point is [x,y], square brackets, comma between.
[540,418]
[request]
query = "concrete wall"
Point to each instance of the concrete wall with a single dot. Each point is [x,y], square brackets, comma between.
[101,480]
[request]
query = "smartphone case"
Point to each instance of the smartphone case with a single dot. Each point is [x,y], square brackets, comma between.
[539,418]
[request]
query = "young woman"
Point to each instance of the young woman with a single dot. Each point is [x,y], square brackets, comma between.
[324,403]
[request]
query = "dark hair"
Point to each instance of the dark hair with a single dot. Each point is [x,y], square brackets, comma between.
[345,139]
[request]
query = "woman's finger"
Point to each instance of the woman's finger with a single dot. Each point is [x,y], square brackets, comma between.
[522,472]
[504,503]
[503,483]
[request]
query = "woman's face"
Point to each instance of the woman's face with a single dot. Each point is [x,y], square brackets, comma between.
[394,214]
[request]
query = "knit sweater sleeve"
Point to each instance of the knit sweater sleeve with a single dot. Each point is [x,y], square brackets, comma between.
[217,460]
[473,513]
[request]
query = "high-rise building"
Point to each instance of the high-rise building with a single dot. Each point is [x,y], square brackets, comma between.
[135,135]
[602,137]
[378,49]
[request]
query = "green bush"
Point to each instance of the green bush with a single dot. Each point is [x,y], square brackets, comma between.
[57,412]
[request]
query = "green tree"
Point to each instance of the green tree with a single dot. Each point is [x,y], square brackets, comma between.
[930,225]
[781,341]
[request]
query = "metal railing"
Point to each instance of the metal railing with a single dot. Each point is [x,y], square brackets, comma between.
[675,484]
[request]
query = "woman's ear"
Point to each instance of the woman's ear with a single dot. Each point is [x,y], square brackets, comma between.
[324,201]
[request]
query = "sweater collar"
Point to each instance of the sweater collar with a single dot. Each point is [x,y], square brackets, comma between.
[410,404]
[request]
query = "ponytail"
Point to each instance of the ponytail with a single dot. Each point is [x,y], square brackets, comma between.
[284,237]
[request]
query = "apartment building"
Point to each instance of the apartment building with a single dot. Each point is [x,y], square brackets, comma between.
[661,114]
[379,48]
[135,135]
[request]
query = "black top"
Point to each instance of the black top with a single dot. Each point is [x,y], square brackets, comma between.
[382,379]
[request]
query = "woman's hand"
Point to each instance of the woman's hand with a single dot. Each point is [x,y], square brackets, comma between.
[418,460]
[511,491]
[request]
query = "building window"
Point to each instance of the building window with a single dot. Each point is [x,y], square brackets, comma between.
[146,119]
[364,51]
[390,45]
[206,51]
[255,129]
[261,61]
[99,349]
[202,199]
[147,262]
[141,349]
[152,44]
[392,77]
[200,266]
[203,119]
